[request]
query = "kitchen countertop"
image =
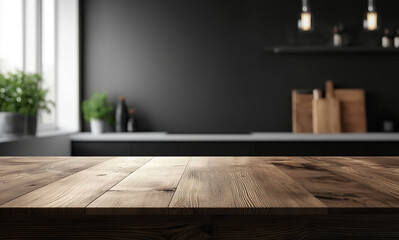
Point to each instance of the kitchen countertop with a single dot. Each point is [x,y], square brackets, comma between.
[199,185]
[199,197]
[250,137]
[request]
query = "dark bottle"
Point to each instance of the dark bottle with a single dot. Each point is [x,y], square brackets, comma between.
[131,123]
[121,116]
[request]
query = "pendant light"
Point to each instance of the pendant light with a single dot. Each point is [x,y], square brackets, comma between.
[305,21]
[371,20]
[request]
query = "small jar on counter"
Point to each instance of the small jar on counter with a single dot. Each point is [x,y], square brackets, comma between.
[396,39]
[337,37]
[386,39]
[131,123]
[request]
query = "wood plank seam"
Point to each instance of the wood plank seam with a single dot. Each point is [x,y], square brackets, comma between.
[250,188]
[178,183]
[148,190]
[61,197]
[118,182]
[33,189]
[293,180]
[205,186]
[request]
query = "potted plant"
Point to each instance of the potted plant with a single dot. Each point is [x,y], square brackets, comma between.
[21,98]
[97,110]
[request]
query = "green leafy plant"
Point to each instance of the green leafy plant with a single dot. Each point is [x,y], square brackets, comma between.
[98,107]
[23,93]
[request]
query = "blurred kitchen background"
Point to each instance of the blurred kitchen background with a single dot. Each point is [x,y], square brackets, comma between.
[202,66]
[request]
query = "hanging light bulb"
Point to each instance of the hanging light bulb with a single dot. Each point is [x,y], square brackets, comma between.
[305,21]
[371,20]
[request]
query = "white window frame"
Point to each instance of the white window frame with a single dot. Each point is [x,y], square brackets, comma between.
[39,58]
[68,65]
[66,60]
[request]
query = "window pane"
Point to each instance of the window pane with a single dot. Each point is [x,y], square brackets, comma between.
[48,55]
[11,29]
[31,36]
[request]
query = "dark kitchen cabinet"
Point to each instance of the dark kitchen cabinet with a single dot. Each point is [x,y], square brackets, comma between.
[246,148]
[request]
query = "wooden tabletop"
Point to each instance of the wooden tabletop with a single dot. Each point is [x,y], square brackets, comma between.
[198,185]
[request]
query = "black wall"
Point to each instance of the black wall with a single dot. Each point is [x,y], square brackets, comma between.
[199,65]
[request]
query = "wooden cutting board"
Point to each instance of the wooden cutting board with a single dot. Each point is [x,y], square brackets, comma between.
[352,104]
[326,111]
[353,110]
[302,111]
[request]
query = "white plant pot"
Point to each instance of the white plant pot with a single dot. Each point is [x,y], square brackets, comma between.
[97,126]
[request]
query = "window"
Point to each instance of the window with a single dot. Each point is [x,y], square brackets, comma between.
[43,36]
[28,42]
[11,35]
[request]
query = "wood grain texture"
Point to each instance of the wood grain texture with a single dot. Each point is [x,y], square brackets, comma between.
[75,192]
[334,190]
[148,190]
[200,185]
[10,165]
[22,175]
[226,185]
[202,227]
[204,198]
[384,182]
[389,165]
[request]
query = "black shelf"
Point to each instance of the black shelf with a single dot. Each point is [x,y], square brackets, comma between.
[329,50]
